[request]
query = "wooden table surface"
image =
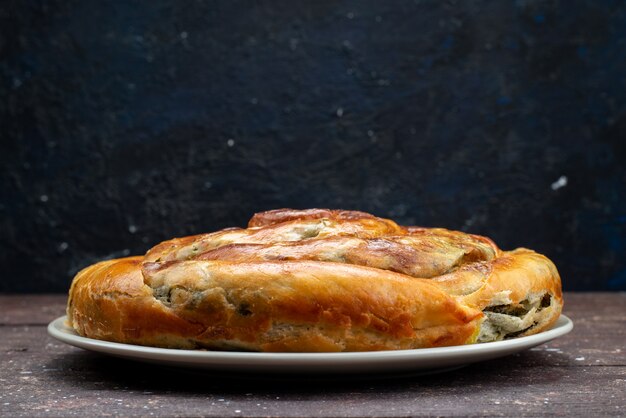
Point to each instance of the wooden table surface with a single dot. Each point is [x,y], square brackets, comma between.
[583,373]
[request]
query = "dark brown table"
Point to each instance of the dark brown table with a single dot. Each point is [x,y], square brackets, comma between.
[583,373]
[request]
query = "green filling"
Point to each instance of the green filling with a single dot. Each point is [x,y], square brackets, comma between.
[509,321]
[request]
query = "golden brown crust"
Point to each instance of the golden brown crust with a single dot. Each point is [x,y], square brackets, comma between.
[276,216]
[314,280]
[513,277]
[110,301]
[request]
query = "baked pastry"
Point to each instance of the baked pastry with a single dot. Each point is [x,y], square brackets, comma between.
[317,280]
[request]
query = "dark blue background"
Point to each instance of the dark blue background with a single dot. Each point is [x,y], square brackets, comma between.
[124,123]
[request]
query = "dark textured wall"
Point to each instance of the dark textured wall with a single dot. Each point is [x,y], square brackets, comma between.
[124,123]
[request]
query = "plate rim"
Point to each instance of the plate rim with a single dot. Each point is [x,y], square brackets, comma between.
[58,330]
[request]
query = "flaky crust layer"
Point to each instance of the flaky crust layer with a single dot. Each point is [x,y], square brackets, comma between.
[313,280]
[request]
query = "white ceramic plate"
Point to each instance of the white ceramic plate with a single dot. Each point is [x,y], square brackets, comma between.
[401,361]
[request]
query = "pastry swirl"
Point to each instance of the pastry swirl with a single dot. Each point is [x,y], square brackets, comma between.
[317,280]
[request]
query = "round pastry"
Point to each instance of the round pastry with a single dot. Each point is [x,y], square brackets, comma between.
[317,280]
